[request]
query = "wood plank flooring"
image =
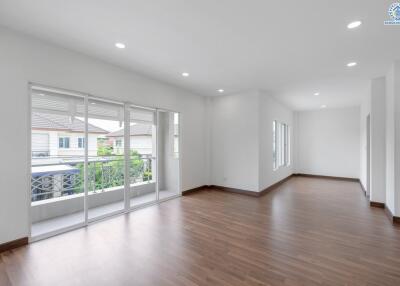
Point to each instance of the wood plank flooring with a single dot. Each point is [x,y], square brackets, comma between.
[307,232]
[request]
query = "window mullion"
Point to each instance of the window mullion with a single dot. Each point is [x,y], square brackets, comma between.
[86,169]
[127,156]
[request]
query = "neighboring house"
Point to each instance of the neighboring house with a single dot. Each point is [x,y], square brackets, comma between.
[141,139]
[57,136]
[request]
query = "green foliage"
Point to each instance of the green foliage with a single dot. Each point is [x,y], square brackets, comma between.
[110,172]
[136,165]
[105,151]
[79,185]
[147,176]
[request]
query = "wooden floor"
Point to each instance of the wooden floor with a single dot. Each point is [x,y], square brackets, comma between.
[307,232]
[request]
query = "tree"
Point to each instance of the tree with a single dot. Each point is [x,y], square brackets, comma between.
[105,151]
[109,172]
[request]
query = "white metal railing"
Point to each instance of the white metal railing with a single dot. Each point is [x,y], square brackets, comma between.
[40,153]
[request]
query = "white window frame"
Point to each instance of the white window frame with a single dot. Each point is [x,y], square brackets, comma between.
[275,145]
[176,146]
[280,145]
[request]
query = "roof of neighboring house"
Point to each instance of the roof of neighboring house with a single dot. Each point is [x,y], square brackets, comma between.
[62,122]
[136,130]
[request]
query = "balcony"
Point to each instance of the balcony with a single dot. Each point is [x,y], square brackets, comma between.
[57,189]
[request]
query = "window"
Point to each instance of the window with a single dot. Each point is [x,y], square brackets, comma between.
[118,143]
[81,142]
[280,144]
[282,147]
[176,135]
[63,142]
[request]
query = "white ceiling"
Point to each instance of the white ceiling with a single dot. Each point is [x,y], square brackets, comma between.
[292,48]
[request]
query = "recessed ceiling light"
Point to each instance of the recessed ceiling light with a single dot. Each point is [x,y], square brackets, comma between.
[352,64]
[316,94]
[323,106]
[354,24]
[120,45]
[221,90]
[185,74]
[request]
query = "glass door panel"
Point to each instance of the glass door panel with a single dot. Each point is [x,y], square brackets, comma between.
[168,155]
[106,162]
[142,165]
[57,173]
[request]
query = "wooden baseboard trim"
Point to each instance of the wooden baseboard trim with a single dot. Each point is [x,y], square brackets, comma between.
[220,188]
[274,186]
[235,190]
[13,244]
[239,191]
[377,204]
[394,219]
[187,192]
[268,189]
[362,188]
[249,193]
[327,177]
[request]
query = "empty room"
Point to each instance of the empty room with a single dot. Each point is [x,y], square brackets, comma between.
[199,142]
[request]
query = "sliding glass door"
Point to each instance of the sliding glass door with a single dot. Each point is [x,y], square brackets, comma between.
[106,158]
[57,159]
[92,158]
[142,156]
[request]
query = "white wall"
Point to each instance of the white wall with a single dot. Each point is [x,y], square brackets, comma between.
[378,140]
[390,140]
[393,139]
[234,141]
[396,94]
[269,110]
[329,142]
[25,59]
[168,164]
[365,110]
[374,105]
[241,140]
